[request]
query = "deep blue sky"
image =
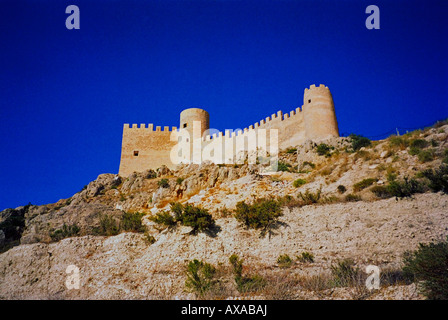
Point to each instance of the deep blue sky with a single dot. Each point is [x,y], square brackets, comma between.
[65,94]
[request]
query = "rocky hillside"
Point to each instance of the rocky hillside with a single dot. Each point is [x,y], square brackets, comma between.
[344,200]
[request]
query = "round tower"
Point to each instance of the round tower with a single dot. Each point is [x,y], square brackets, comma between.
[318,113]
[188,116]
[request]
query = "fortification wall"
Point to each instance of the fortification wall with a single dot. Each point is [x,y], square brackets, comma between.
[290,126]
[145,148]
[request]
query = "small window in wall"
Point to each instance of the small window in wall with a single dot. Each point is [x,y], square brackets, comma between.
[135,153]
[188,139]
[185,125]
[309,101]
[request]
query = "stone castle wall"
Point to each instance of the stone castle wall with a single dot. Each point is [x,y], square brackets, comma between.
[143,148]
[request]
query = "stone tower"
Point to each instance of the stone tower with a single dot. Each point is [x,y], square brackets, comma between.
[189,120]
[318,113]
[188,116]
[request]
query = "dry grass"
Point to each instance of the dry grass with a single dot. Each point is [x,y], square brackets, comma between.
[343,166]
[223,212]
[364,155]
[326,171]
[164,202]
[315,283]
[280,286]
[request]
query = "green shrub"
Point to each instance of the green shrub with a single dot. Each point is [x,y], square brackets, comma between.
[299,182]
[405,188]
[200,277]
[359,141]
[363,184]
[329,199]
[237,265]
[324,150]
[179,180]
[108,226]
[291,150]
[306,257]
[419,143]
[414,151]
[391,176]
[429,264]
[434,143]
[283,166]
[352,198]
[341,189]
[244,284]
[178,209]
[284,261]
[197,218]
[262,214]
[344,273]
[132,222]
[163,183]
[310,197]
[67,231]
[163,218]
[445,155]
[188,215]
[381,192]
[438,178]
[398,142]
[426,155]
[149,238]
[150,174]
[307,163]
[416,147]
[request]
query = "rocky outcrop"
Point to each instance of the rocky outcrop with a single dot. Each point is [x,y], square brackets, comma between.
[41,221]
[12,225]
[102,183]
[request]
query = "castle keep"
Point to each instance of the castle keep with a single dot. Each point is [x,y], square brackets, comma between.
[145,148]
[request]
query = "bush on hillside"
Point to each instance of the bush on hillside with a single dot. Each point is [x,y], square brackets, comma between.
[359,141]
[262,214]
[429,265]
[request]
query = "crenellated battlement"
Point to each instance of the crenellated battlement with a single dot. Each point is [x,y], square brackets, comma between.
[146,146]
[150,127]
[321,90]
[320,87]
[273,122]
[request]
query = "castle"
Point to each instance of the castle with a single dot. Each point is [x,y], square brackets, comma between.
[145,148]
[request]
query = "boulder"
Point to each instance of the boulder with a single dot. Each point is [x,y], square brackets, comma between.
[103,182]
